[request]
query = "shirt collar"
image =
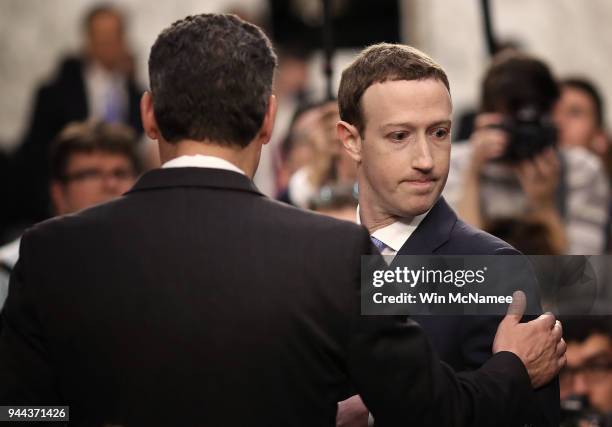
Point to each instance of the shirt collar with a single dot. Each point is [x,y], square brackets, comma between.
[396,234]
[201,161]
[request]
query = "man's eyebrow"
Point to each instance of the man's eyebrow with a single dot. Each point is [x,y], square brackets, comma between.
[412,125]
[596,357]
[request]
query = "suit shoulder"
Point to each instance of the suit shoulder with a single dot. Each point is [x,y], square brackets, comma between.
[65,226]
[308,220]
[466,239]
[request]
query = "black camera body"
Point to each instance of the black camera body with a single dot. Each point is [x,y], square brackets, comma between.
[529,133]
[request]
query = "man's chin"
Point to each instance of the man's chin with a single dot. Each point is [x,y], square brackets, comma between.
[418,204]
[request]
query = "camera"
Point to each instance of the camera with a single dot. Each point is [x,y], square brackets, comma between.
[529,133]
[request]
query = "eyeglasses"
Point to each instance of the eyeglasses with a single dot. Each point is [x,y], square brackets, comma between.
[91,176]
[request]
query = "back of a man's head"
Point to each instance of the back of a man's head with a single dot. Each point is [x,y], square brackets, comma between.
[211,78]
[515,81]
[377,64]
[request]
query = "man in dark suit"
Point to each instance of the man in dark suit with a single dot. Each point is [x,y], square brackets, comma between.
[98,84]
[396,119]
[195,300]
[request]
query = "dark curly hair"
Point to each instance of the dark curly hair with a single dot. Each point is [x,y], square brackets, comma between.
[211,77]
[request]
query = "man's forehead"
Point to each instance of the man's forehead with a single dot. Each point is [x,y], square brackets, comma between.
[95,157]
[407,100]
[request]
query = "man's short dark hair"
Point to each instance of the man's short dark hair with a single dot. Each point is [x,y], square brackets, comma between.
[102,9]
[579,328]
[591,91]
[211,78]
[515,81]
[89,137]
[377,64]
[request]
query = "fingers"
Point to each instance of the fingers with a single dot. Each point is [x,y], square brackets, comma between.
[561,362]
[547,164]
[557,331]
[488,140]
[517,307]
[546,321]
[561,348]
[487,119]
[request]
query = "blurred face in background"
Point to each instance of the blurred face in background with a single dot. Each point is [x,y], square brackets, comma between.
[404,151]
[105,40]
[91,179]
[589,371]
[576,118]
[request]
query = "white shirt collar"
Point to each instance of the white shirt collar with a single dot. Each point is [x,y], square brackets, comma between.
[396,234]
[201,161]
[10,253]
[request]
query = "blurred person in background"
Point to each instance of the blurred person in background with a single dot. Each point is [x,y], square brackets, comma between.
[579,115]
[91,163]
[528,235]
[98,84]
[586,381]
[337,201]
[329,164]
[511,167]
[290,88]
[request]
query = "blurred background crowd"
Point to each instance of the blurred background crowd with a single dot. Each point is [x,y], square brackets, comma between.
[530,86]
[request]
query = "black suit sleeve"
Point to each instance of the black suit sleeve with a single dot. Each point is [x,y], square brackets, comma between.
[544,408]
[402,381]
[26,375]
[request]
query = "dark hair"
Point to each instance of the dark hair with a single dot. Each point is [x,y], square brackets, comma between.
[88,137]
[531,237]
[100,9]
[379,63]
[211,77]
[591,91]
[580,328]
[514,81]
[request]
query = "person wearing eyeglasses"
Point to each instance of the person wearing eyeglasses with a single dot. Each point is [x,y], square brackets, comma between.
[586,381]
[91,163]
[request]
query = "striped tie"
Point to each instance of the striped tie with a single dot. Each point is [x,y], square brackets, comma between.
[379,245]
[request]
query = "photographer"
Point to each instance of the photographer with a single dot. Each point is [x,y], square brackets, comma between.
[586,381]
[511,166]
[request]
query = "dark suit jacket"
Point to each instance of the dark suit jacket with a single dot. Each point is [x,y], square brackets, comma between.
[56,103]
[195,300]
[465,342]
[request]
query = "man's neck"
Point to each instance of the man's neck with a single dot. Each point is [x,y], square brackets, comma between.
[374,218]
[372,215]
[243,158]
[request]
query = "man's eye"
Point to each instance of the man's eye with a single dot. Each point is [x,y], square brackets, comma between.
[399,136]
[440,133]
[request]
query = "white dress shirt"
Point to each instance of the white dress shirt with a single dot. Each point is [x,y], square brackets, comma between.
[104,87]
[201,161]
[395,235]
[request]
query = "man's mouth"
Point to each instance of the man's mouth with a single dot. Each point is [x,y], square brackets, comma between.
[420,183]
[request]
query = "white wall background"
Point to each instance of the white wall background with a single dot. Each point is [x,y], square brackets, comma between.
[35,34]
[575,36]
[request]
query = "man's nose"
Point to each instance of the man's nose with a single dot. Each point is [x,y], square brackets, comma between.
[580,385]
[111,184]
[422,159]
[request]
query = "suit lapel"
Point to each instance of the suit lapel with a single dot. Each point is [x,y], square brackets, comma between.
[432,232]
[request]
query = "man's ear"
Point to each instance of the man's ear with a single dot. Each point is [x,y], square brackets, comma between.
[57,197]
[600,143]
[147,115]
[351,139]
[265,132]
